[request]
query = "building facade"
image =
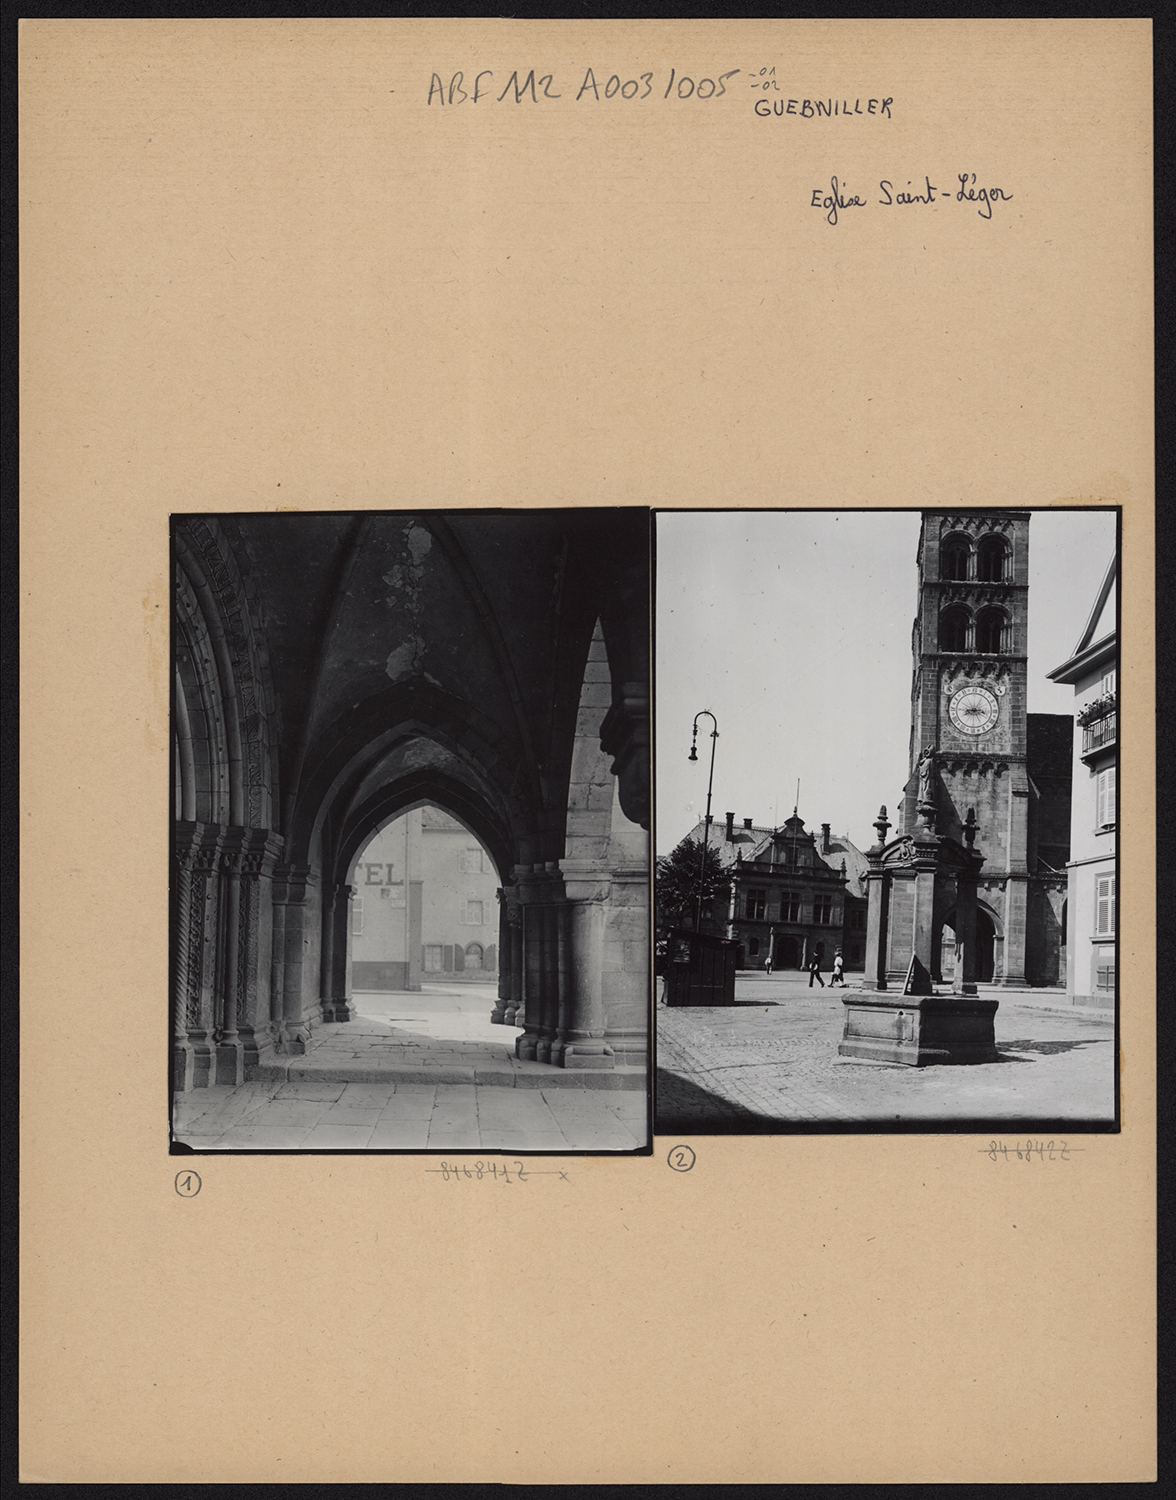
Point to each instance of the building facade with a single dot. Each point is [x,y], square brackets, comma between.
[1092,883]
[977,756]
[424,905]
[793,894]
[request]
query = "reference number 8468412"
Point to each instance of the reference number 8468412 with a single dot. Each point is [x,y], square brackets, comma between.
[491,1171]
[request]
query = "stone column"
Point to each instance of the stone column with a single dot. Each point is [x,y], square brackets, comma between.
[540,896]
[230,1067]
[924,912]
[243,1023]
[514,1004]
[259,850]
[626,972]
[277,968]
[551,899]
[293,892]
[877,914]
[562,998]
[197,850]
[581,1041]
[510,955]
[183,1058]
[529,1015]
[334,995]
[502,1000]
[965,928]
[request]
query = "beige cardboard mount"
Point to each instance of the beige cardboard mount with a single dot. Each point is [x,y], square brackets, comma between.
[315,264]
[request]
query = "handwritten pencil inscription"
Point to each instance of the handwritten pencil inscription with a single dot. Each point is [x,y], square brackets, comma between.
[833,202]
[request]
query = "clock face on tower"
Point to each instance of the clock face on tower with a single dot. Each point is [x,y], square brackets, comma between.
[973,710]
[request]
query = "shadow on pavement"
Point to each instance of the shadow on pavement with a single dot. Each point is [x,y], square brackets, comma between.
[682,1106]
[1047,1049]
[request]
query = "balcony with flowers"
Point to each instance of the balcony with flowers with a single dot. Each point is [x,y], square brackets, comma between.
[1099,722]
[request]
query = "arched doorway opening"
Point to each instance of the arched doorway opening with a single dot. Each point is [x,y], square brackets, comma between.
[786,954]
[986,946]
[423,916]
[423,904]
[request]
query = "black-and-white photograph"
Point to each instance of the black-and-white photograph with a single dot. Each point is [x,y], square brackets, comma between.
[410,893]
[885,890]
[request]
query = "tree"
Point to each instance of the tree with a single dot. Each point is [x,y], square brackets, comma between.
[677,885]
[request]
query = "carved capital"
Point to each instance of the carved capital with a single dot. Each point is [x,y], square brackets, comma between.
[624,735]
[292,884]
[198,846]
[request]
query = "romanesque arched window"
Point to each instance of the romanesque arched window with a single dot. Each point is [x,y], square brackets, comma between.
[992,560]
[954,557]
[991,626]
[953,628]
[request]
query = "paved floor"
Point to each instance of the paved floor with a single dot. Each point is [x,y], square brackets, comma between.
[416,1072]
[772,1059]
[443,1034]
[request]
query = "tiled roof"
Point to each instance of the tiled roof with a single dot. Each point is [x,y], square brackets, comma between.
[752,842]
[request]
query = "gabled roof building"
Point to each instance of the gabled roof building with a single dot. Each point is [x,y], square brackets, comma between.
[793,893]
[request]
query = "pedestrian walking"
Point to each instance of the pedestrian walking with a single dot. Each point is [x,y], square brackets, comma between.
[814,969]
[768,966]
[838,976]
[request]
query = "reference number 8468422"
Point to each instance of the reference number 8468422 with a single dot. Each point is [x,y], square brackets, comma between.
[1029,1151]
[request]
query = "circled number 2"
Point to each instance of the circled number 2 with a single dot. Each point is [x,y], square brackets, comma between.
[681,1158]
[187,1184]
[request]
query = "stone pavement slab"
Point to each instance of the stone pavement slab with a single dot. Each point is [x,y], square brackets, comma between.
[261,1116]
[425,1071]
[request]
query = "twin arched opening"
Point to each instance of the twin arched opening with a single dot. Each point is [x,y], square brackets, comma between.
[963,559]
[985,632]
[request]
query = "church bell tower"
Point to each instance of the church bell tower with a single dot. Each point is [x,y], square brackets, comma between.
[969,731]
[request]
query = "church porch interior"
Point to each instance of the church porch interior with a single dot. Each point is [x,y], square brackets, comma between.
[335,671]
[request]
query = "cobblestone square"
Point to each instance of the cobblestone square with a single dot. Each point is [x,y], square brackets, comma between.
[770,1063]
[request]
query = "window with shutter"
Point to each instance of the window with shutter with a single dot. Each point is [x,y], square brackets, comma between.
[1106,798]
[1104,905]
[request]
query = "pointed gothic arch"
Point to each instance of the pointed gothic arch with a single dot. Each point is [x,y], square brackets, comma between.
[416,658]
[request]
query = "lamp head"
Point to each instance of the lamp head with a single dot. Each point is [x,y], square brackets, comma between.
[693,753]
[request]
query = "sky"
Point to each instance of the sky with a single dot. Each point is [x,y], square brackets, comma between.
[794,629]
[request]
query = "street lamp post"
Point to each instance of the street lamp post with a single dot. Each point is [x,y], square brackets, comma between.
[705,713]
